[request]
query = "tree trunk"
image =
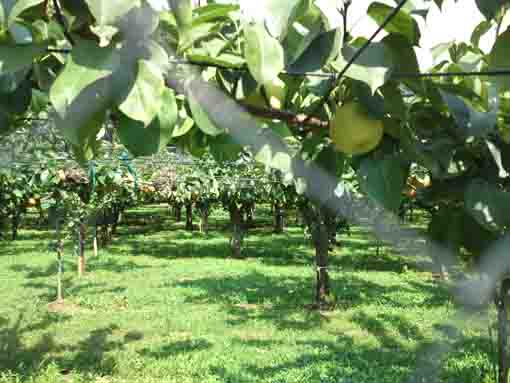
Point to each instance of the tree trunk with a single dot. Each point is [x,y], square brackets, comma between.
[115,219]
[204,219]
[331,226]
[189,216]
[279,219]
[81,250]
[502,306]
[178,212]
[322,291]
[15,225]
[237,231]
[249,210]
[315,220]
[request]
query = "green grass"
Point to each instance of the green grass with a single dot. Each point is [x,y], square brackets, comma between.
[165,305]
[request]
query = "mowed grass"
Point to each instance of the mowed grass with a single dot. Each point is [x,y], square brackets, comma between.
[165,305]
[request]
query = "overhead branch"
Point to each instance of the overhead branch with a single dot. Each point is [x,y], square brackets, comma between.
[308,123]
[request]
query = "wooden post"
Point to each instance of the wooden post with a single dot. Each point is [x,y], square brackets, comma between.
[81,250]
[95,241]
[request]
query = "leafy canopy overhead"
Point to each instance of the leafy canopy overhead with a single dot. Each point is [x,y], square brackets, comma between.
[202,78]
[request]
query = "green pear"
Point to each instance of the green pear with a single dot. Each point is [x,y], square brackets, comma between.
[353,130]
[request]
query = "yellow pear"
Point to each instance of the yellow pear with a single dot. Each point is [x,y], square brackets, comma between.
[353,131]
[276,92]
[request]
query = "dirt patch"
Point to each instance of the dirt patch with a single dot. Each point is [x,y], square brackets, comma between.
[63,307]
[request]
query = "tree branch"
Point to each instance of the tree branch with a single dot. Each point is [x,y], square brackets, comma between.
[62,21]
[300,120]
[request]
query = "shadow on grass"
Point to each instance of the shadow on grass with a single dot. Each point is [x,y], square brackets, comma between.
[255,296]
[176,348]
[343,359]
[88,355]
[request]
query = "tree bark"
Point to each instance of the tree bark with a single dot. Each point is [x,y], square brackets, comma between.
[315,219]
[178,212]
[15,225]
[331,225]
[249,210]
[189,216]
[237,231]
[502,306]
[279,219]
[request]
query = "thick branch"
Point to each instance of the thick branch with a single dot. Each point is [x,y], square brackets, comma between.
[292,119]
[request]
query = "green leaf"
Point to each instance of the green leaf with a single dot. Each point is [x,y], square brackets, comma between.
[159,5]
[183,128]
[3,16]
[301,33]
[14,58]
[183,12]
[5,125]
[40,101]
[19,8]
[383,180]
[490,8]
[109,12]
[471,121]
[480,30]
[212,12]
[81,129]
[145,141]
[499,58]
[263,53]
[197,33]
[373,67]
[144,99]
[17,102]
[403,55]
[157,55]
[224,148]
[225,60]
[402,23]
[201,117]
[279,14]
[487,204]
[320,52]
[87,64]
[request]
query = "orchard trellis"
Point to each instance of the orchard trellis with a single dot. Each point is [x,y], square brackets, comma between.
[270,84]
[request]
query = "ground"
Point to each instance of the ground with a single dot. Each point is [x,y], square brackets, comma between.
[165,305]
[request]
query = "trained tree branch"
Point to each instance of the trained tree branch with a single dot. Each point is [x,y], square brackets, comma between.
[292,119]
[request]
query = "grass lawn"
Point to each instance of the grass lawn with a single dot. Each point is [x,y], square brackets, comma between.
[165,305]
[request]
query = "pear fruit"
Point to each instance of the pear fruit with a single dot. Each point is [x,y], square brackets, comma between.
[353,130]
